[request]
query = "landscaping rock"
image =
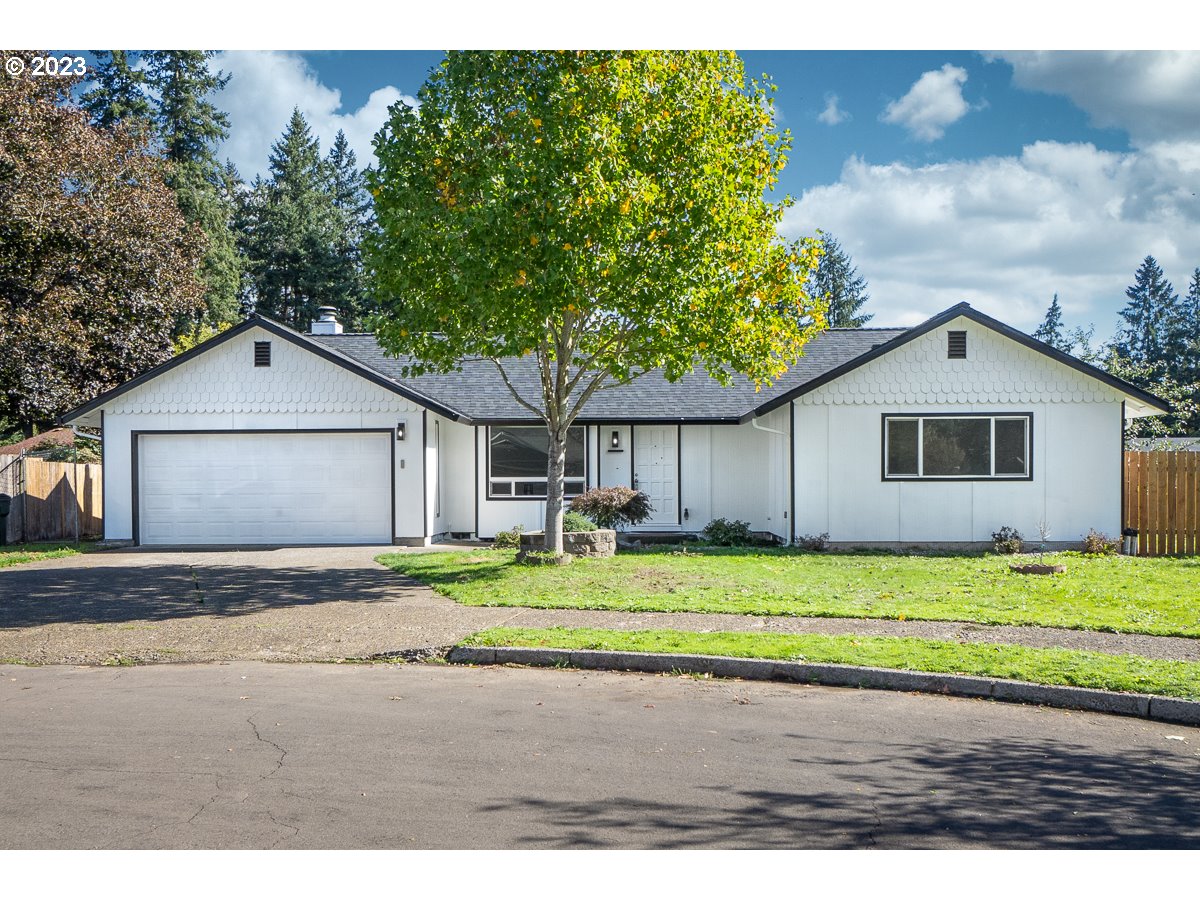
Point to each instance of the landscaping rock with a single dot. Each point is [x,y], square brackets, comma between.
[599,543]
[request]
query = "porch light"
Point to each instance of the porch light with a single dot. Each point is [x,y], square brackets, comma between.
[400,430]
[616,440]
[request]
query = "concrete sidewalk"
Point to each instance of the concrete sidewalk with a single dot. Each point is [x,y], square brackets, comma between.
[321,603]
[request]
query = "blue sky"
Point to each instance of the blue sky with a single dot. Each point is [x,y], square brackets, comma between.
[999,179]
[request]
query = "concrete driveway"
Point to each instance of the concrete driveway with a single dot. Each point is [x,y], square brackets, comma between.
[295,603]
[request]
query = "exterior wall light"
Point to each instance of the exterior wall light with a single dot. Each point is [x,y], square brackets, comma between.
[400,430]
[615,444]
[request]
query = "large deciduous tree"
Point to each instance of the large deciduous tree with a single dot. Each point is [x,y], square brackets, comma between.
[96,261]
[605,213]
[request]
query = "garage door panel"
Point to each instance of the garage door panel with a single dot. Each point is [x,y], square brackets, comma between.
[264,488]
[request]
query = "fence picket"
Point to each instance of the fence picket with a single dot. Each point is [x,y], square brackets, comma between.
[1162,501]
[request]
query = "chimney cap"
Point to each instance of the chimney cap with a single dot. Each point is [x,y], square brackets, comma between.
[327,322]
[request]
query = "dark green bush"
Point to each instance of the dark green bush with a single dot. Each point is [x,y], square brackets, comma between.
[725,533]
[1007,540]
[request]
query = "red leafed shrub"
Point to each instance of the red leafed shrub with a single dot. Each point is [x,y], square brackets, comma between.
[612,507]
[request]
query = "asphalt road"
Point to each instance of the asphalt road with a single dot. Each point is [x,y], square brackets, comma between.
[257,755]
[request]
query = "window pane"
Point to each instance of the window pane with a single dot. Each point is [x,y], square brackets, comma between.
[573,488]
[531,488]
[502,487]
[1012,455]
[956,447]
[520,452]
[902,447]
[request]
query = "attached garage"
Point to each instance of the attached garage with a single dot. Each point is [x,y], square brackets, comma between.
[260,487]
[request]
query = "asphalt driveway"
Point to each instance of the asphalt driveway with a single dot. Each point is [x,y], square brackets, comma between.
[296,603]
[251,755]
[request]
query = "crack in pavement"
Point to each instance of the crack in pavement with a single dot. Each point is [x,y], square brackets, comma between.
[282,752]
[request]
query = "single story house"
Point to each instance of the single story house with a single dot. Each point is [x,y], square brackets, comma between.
[938,434]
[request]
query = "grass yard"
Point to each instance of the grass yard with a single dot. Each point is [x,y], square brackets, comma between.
[1117,593]
[1061,667]
[14,554]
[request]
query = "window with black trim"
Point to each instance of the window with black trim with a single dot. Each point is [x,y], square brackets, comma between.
[517,459]
[957,446]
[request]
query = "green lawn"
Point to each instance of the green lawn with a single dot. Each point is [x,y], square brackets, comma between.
[1063,667]
[1123,594]
[14,554]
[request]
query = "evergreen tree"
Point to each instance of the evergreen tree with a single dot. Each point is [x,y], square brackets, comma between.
[1152,333]
[118,92]
[353,204]
[292,236]
[1191,330]
[837,281]
[1051,330]
[190,126]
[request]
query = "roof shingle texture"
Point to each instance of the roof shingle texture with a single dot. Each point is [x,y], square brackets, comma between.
[479,393]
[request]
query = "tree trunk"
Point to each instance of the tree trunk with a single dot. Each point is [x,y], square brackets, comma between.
[556,466]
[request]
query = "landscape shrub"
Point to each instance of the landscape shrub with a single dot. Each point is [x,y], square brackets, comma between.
[573,521]
[818,542]
[1007,540]
[1097,543]
[613,507]
[507,540]
[725,533]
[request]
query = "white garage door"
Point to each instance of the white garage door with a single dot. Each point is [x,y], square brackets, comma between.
[290,488]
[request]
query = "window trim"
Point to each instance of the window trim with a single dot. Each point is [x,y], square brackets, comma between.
[487,470]
[993,416]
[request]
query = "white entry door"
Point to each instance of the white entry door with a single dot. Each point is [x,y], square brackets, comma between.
[656,470]
[257,488]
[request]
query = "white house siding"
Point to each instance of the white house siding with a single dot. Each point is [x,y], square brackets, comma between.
[457,468]
[222,389]
[1076,446]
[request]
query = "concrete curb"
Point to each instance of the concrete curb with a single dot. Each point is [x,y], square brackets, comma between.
[1145,706]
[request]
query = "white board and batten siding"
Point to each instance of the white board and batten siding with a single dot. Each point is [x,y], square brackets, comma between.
[319,436]
[1076,454]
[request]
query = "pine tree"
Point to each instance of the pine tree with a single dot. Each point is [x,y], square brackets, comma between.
[353,204]
[837,280]
[1152,333]
[118,92]
[1191,330]
[190,127]
[1051,330]
[293,232]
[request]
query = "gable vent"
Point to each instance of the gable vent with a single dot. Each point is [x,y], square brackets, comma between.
[956,345]
[262,353]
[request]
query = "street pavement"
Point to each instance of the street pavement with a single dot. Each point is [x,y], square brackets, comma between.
[258,755]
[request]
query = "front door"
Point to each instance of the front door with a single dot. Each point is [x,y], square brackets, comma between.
[656,470]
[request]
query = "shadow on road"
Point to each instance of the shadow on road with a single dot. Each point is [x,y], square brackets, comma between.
[115,594]
[1008,793]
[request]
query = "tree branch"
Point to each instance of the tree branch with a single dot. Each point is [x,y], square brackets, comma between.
[512,390]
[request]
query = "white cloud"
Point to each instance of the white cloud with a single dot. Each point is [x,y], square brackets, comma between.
[1006,233]
[1154,95]
[265,87]
[934,101]
[832,115]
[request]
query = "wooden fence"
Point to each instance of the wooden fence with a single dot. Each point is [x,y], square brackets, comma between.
[1162,501]
[52,501]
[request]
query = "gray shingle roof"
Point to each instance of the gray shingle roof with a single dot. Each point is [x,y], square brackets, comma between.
[479,393]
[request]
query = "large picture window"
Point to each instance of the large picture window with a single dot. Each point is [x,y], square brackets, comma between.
[957,446]
[517,461]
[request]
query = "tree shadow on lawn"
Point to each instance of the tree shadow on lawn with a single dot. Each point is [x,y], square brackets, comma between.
[113,594]
[1008,793]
